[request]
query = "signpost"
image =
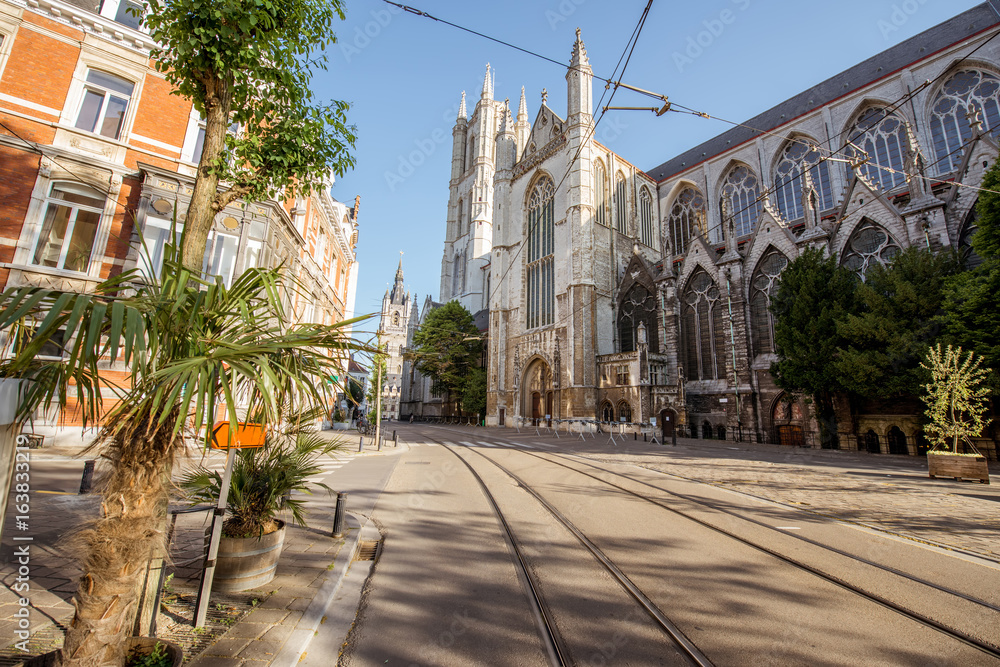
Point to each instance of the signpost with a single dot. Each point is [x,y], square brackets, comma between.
[247,436]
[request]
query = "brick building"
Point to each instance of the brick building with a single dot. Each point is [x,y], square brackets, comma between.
[97,158]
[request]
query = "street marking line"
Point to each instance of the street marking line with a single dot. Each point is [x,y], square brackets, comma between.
[787,528]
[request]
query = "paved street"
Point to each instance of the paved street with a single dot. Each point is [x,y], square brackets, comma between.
[447,591]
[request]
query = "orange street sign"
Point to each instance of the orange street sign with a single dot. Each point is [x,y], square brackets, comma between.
[247,436]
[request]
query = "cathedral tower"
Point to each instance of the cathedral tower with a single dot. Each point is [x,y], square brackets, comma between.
[395,327]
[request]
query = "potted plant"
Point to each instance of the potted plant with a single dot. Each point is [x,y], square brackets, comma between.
[261,488]
[340,420]
[956,401]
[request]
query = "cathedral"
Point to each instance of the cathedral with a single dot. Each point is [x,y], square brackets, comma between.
[621,294]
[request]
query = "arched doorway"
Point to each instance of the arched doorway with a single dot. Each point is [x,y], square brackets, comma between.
[871,442]
[537,390]
[721,431]
[897,441]
[786,418]
[667,423]
[536,407]
[706,430]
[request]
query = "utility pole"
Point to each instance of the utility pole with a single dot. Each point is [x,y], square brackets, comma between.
[378,388]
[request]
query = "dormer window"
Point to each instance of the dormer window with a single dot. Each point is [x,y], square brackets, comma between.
[105,103]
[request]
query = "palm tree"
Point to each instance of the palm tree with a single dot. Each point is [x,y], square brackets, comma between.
[186,344]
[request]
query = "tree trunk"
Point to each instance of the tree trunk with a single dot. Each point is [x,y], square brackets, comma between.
[117,547]
[201,212]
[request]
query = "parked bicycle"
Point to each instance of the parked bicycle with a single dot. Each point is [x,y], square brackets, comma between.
[365,427]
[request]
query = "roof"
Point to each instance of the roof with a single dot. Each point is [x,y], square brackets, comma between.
[918,47]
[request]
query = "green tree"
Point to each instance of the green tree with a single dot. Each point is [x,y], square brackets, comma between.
[972,298]
[814,296]
[250,63]
[895,318]
[474,392]
[187,345]
[355,392]
[447,348]
[956,396]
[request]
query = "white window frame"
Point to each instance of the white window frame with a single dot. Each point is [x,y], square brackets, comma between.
[74,100]
[34,230]
[107,95]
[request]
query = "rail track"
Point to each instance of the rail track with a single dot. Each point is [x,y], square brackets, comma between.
[694,655]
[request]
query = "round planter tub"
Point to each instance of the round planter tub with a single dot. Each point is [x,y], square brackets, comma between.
[247,562]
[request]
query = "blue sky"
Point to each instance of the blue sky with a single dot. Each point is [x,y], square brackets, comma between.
[404,76]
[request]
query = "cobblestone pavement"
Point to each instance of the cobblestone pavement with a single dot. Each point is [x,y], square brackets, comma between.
[891,493]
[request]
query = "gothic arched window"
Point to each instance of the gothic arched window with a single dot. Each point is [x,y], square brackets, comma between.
[704,339]
[395,319]
[762,287]
[687,219]
[541,247]
[458,274]
[607,412]
[869,244]
[949,114]
[639,305]
[799,156]
[621,205]
[460,218]
[624,411]
[646,232]
[600,193]
[883,140]
[740,194]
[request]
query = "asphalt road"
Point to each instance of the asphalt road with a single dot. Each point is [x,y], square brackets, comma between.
[447,591]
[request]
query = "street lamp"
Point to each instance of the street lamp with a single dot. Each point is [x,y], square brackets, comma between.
[378,385]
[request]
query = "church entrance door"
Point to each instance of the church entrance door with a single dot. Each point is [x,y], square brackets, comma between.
[667,419]
[536,408]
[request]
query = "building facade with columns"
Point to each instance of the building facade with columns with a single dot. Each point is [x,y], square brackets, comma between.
[622,293]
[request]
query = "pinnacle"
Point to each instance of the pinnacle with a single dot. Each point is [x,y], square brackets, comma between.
[579,58]
[487,84]
[522,108]
[462,113]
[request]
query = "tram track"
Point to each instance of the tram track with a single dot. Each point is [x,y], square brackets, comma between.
[556,647]
[958,635]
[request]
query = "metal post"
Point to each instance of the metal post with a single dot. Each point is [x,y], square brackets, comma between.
[87,481]
[673,437]
[379,448]
[208,573]
[338,515]
[361,443]
[395,439]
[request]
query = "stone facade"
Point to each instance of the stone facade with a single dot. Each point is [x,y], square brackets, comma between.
[601,309]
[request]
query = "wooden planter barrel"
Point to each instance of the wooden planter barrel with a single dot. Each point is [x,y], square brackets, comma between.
[941,464]
[247,562]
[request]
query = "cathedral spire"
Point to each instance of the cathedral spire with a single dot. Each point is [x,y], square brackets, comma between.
[462,113]
[522,108]
[398,294]
[580,58]
[488,84]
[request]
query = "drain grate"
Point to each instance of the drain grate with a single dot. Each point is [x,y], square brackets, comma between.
[368,550]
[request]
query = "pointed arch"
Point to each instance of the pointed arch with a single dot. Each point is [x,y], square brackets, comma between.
[539,261]
[638,305]
[879,140]
[800,157]
[763,285]
[686,218]
[739,198]
[621,204]
[624,411]
[702,333]
[601,193]
[647,228]
[870,243]
[969,88]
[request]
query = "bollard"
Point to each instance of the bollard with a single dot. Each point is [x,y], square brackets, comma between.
[338,515]
[644,438]
[395,439]
[635,435]
[87,481]
[393,434]
[361,443]
[380,439]
[673,438]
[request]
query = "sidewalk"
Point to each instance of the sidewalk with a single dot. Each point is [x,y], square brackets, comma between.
[268,626]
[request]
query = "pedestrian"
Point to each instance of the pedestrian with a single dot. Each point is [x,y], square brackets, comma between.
[411,418]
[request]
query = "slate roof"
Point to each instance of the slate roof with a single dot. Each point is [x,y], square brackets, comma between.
[906,53]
